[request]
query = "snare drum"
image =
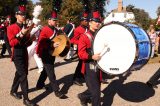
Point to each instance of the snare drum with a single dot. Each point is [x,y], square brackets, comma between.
[122,46]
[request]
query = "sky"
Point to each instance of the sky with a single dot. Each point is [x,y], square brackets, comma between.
[149,6]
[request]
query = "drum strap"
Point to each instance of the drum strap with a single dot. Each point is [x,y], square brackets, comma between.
[73,27]
[92,65]
[89,36]
[54,34]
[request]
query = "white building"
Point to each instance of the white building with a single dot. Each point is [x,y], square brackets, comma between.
[120,14]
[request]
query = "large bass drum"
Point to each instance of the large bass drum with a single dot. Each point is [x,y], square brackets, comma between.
[122,46]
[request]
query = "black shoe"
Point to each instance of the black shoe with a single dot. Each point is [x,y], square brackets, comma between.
[155,55]
[59,94]
[29,103]
[67,60]
[82,100]
[2,56]
[149,84]
[104,81]
[15,95]
[77,83]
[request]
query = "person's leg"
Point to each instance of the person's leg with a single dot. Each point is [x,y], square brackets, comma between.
[78,76]
[15,83]
[154,78]
[3,50]
[41,81]
[15,86]
[21,64]
[39,63]
[52,78]
[93,84]
[7,45]
[22,71]
[152,54]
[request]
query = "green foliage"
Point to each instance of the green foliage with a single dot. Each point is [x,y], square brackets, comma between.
[29,8]
[47,8]
[69,8]
[7,7]
[141,17]
[158,11]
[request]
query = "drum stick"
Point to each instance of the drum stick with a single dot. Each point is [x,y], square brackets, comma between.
[104,50]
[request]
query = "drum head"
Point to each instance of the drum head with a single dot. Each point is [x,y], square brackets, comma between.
[121,48]
[63,47]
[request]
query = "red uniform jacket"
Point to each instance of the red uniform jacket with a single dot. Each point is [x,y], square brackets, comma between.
[12,31]
[47,33]
[83,45]
[77,33]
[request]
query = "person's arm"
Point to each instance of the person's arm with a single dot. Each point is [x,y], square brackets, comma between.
[12,37]
[82,49]
[83,52]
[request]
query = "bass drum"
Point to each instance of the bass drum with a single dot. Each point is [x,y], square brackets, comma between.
[63,47]
[122,46]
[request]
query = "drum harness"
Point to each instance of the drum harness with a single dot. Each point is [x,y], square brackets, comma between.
[54,34]
[73,27]
[92,65]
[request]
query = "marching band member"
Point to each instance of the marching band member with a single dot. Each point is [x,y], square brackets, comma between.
[3,29]
[91,73]
[17,35]
[153,79]
[45,44]
[35,35]
[79,31]
[69,29]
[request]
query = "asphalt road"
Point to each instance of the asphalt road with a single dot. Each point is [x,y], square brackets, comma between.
[120,91]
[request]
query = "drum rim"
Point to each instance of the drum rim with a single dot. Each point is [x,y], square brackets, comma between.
[132,33]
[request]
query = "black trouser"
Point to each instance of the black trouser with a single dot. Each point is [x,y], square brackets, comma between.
[93,83]
[48,63]
[6,45]
[21,64]
[78,74]
[3,49]
[155,77]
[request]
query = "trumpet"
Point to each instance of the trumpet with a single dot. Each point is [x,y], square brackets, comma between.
[28,24]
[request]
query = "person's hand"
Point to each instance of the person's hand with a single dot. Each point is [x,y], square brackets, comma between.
[24,31]
[34,38]
[56,44]
[96,57]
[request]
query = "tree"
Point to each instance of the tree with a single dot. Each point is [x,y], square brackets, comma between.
[7,7]
[158,14]
[70,8]
[29,8]
[158,11]
[142,18]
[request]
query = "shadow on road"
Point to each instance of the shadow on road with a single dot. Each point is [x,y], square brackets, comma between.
[132,91]
[67,83]
[42,96]
[66,80]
